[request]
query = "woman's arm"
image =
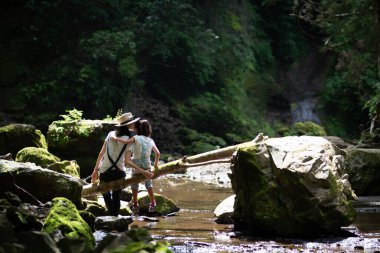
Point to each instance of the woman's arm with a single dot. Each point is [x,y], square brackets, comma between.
[95,173]
[156,157]
[128,162]
[124,141]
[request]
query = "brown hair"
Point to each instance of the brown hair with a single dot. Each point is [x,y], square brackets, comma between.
[144,128]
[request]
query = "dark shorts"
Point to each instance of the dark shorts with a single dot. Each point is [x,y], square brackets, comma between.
[111,175]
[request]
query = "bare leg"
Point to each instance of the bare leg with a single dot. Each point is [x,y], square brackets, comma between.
[134,196]
[151,196]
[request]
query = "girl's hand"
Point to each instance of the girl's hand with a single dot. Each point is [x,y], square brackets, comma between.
[148,174]
[113,138]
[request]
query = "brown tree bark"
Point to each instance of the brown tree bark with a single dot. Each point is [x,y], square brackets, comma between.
[215,156]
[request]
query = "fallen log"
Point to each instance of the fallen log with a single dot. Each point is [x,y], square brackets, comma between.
[171,167]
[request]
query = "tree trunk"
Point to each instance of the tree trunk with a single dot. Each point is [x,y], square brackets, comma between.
[171,167]
[377,20]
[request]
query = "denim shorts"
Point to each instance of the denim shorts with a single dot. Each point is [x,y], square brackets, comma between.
[148,183]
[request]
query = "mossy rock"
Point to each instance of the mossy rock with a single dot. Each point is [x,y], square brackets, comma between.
[15,137]
[39,156]
[89,218]
[164,204]
[308,128]
[42,184]
[78,140]
[67,167]
[95,208]
[133,240]
[65,218]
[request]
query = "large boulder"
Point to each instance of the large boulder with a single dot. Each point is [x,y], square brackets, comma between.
[38,156]
[32,182]
[363,169]
[65,220]
[291,186]
[78,140]
[15,137]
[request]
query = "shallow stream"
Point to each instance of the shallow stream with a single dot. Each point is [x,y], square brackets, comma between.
[193,228]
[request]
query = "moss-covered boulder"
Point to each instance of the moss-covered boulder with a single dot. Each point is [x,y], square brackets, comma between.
[307,128]
[67,167]
[164,204]
[64,218]
[363,169]
[39,156]
[134,240]
[15,137]
[41,183]
[291,186]
[78,140]
[95,208]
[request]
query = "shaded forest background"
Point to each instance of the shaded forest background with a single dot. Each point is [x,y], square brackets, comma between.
[206,73]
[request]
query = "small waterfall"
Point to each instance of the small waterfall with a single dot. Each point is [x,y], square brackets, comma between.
[304,110]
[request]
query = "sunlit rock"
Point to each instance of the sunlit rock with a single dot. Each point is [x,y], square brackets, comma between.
[78,140]
[164,204]
[291,186]
[15,137]
[38,183]
[64,220]
[38,156]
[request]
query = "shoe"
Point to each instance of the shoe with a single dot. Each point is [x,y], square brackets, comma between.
[135,209]
[152,208]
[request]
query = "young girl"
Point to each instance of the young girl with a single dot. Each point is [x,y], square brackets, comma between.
[111,159]
[141,157]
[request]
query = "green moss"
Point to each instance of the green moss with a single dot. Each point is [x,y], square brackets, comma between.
[308,128]
[164,204]
[139,240]
[39,156]
[64,216]
[66,167]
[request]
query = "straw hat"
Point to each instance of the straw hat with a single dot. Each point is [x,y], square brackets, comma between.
[126,119]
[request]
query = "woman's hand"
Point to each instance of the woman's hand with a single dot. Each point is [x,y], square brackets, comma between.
[94,176]
[113,138]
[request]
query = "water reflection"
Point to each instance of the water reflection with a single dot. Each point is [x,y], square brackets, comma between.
[193,228]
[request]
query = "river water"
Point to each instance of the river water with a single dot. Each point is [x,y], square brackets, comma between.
[193,228]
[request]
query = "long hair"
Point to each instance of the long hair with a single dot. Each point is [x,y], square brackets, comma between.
[144,128]
[122,131]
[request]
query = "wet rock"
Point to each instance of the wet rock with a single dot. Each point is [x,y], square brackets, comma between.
[164,204]
[89,218]
[65,220]
[78,140]
[131,240]
[224,211]
[291,186]
[95,208]
[67,167]
[42,184]
[113,223]
[38,156]
[15,137]
[363,168]
[37,242]
[23,220]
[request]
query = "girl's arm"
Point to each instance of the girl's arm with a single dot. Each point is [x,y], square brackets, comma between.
[128,162]
[156,157]
[95,173]
[124,141]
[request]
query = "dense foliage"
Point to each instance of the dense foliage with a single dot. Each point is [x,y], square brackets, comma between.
[349,29]
[214,63]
